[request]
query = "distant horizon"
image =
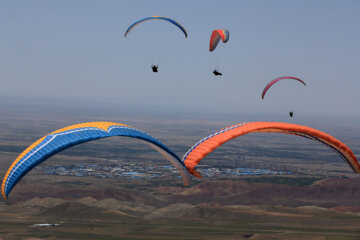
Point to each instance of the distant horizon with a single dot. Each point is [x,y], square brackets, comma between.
[94,108]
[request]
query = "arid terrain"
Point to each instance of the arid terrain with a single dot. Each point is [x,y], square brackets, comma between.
[317,198]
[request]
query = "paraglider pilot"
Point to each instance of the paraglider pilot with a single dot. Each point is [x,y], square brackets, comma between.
[154,68]
[216,73]
[291,113]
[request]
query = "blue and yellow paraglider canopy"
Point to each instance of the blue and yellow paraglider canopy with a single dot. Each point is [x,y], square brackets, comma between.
[69,136]
[156,18]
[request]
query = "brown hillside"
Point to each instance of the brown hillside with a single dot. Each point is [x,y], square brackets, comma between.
[327,193]
[26,191]
[81,212]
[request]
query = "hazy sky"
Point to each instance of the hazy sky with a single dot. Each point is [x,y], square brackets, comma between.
[75,50]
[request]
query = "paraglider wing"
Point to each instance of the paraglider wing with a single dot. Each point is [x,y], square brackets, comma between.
[69,136]
[276,80]
[156,18]
[216,35]
[210,143]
